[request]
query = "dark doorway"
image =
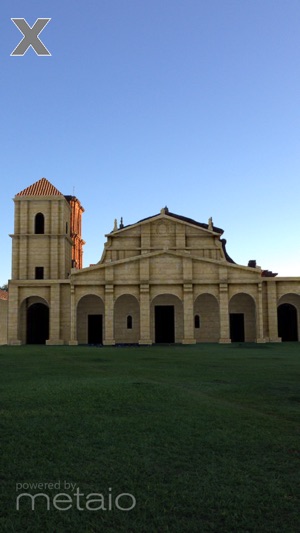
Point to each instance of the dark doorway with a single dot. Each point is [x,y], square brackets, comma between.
[237,327]
[37,324]
[287,322]
[164,323]
[95,329]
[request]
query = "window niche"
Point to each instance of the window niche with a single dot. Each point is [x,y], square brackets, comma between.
[39,272]
[39,224]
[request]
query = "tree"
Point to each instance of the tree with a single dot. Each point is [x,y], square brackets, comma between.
[4,287]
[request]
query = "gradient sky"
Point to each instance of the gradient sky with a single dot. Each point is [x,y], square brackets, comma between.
[193,104]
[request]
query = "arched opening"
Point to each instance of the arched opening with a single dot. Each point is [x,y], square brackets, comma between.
[164,323]
[37,330]
[207,318]
[287,322]
[288,313]
[242,318]
[127,320]
[39,224]
[90,320]
[167,319]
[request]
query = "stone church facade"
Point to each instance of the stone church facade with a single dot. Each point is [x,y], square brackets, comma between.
[164,279]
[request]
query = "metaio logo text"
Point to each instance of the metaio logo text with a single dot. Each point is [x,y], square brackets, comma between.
[66,498]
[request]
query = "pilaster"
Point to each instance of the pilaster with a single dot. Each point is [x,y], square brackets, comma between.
[259,317]
[272,311]
[224,314]
[73,333]
[145,314]
[13,317]
[188,314]
[109,316]
[54,336]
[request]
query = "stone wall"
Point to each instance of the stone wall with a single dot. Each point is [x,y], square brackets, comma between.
[3,321]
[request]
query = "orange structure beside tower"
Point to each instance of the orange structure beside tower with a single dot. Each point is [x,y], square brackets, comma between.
[75,231]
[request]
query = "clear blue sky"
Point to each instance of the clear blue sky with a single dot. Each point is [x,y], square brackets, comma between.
[193,104]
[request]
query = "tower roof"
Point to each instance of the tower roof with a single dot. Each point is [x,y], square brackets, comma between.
[43,187]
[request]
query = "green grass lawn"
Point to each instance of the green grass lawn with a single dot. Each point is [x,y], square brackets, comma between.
[205,438]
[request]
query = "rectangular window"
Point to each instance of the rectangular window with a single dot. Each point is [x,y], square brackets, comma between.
[39,272]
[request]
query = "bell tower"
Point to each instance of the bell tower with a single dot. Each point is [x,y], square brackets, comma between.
[45,244]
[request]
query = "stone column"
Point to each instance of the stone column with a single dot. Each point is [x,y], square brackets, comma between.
[109,316]
[272,311]
[73,326]
[224,314]
[54,259]
[145,336]
[54,316]
[24,272]
[259,317]
[188,314]
[16,242]
[13,317]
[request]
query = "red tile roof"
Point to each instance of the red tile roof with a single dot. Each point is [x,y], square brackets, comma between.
[42,187]
[3,295]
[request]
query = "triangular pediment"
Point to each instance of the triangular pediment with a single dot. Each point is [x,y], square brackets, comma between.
[166,215]
[42,187]
[166,265]
[160,254]
[163,231]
